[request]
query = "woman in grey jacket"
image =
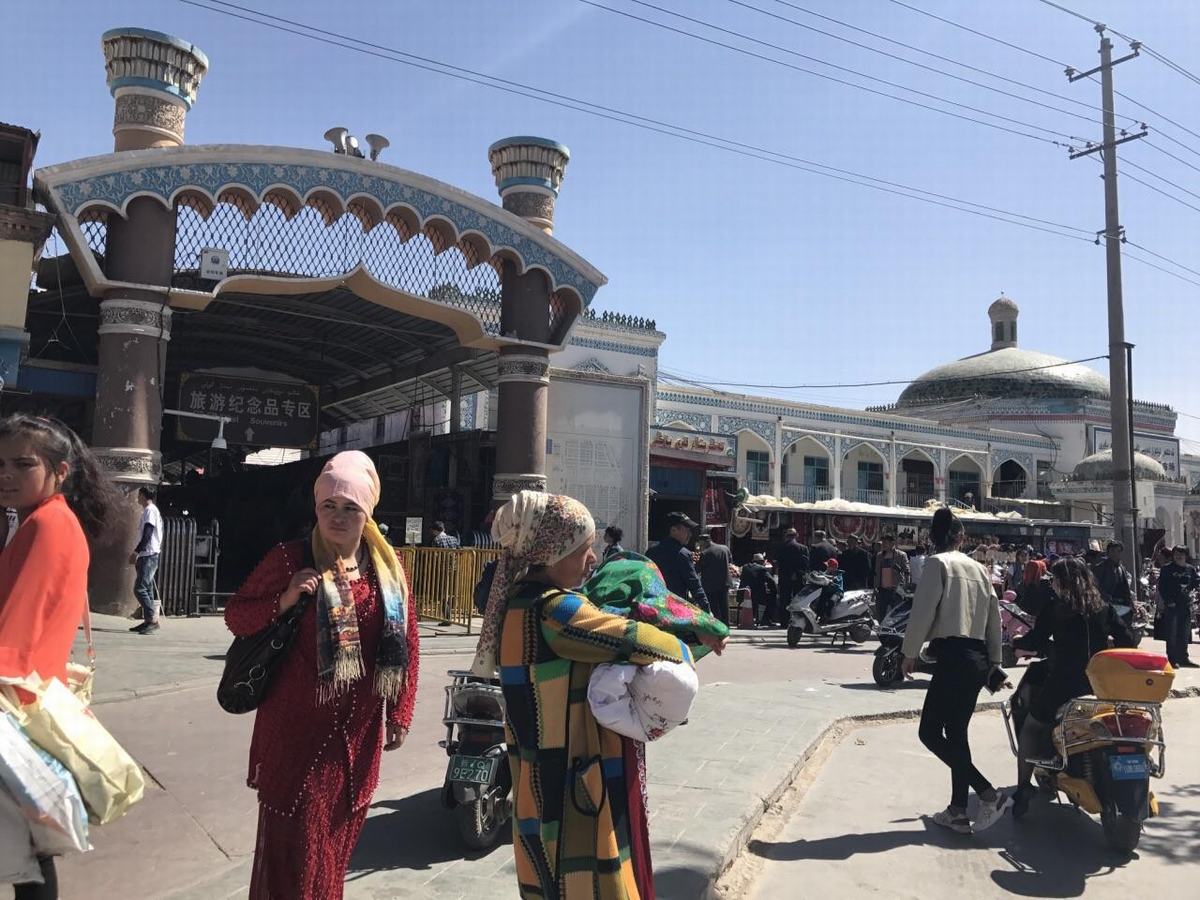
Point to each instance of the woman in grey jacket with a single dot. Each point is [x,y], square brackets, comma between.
[956,607]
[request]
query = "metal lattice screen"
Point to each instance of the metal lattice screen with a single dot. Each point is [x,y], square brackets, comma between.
[316,243]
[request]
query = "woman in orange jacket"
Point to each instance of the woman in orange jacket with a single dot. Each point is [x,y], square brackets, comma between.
[61,496]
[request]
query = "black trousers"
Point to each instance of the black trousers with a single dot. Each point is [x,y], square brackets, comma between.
[961,672]
[718,601]
[1178,622]
[885,599]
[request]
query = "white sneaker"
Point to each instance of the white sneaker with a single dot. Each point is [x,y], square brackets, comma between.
[955,821]
[991,813]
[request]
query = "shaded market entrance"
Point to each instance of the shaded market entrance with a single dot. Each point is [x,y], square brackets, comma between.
[195,297]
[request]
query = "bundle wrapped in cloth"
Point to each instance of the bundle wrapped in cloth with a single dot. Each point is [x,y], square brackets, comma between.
[645,702]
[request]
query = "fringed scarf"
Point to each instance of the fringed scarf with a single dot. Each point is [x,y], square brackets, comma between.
[339,653]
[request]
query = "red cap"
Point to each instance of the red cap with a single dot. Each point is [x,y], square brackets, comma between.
[831,565]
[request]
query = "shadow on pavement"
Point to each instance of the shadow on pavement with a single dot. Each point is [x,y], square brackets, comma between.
[689,874]
[1040,868]
[1175,834]
[417,834]
[915,684]
[1044,863]
[679,882]
[844,846]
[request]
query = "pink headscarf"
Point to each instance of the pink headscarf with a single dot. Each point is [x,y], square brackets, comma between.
[349,474]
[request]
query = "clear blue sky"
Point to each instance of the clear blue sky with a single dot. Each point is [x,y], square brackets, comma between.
[757,272]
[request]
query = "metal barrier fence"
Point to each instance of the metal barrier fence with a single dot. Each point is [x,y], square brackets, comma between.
[177,567]
[443,581]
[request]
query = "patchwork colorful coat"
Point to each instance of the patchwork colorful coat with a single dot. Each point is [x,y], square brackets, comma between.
[571,833]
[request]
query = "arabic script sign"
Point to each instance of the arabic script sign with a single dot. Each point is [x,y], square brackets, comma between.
[1163,449]
[261,413]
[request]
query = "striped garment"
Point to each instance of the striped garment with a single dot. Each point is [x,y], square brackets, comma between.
[571,834]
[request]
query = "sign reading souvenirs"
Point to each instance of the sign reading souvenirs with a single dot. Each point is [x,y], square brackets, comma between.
[261,413]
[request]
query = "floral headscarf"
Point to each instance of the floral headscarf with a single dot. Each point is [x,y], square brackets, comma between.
[534,529]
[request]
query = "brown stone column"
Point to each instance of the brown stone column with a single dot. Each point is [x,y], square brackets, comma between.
[153,78]
[528,173]
[522,384]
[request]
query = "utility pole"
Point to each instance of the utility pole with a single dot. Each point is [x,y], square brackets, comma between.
[1117,373]
[1137,570]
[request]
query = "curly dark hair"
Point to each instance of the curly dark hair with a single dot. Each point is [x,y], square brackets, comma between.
[88,490]
[1080,592]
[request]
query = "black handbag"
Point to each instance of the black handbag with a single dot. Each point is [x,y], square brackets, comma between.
[251,661]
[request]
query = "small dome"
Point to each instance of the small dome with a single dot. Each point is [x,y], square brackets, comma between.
[1004,306]
[1099,467]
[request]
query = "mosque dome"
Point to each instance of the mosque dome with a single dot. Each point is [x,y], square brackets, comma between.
[1099,467]
[1006,371]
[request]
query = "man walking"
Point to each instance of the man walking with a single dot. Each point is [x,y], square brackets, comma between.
[791,564]
[855,564]
[715,560]
[821,552]
[1112,577]
[674,560]
[144,559]
[891,571]
[756,579]
[1176,581]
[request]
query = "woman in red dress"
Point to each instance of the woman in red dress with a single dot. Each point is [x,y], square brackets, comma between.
[349,676]
[61,497]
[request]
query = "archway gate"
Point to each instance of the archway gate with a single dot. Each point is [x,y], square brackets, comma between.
[370,281]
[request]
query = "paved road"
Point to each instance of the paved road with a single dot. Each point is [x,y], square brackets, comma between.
[763,707]
[858,830]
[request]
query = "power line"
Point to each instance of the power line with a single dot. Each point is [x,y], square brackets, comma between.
[676,131]
[1159,190]
[990,74]
[1165,259]
[1177,187]
[1165,118]
[1154,54]
[983,34]
[1155,146]
[797,387]
[1072,12]
[796,68]
[1146,262]
[1062,64]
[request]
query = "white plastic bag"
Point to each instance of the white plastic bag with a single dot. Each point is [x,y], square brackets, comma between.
[642,702]
[18,863]
[44,791]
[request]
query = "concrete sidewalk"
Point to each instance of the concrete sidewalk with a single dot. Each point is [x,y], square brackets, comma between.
[762,712]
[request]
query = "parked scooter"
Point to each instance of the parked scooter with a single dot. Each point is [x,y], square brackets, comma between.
[886,667]
[1106,748]
[820,607]
[478,779]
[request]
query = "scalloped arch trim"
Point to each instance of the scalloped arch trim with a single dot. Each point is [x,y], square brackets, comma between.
[292,179]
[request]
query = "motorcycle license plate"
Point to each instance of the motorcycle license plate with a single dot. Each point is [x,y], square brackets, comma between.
[1129,766]
[472,769]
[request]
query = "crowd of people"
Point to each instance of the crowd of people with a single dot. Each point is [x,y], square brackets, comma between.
[344,688]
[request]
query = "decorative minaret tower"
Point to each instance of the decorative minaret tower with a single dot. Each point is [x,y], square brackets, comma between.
[1003,314]
[154,78]
[528,173]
